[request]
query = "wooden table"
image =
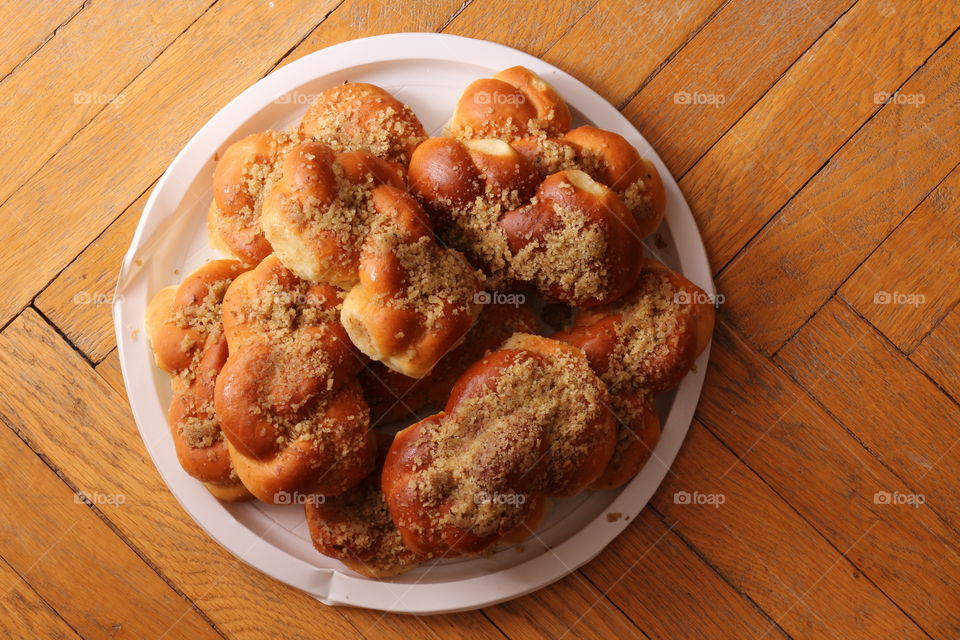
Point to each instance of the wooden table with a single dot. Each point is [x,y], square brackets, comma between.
[817,142]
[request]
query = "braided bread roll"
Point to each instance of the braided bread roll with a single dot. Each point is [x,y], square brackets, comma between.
[240,183]
[575,242]
[288,400]
[393,396]
[642,344]
[610,160]
[514,103]
[358,116]
[318,214]
[184,324]
[526,422]
[415,300]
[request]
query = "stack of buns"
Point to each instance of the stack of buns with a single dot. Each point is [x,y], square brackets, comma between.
[379,276]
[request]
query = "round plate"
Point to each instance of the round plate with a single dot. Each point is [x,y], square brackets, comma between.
[427,71]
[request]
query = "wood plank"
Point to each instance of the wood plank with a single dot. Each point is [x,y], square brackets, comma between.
[97,583]
[740,526]
[25,26]
[109,370]
[71,199]
[105,455]
[531,27]
[80,72]
[939,354]
[653,577]
[636,37]
[571,608]
[713,80]
[782,140]
[80,300]
[907,286]
[24,615]
[899,414]
[359,19]
[796,263]
[828,478]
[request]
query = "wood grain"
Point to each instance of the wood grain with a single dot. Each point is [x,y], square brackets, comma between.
[707,86]
[939,354]
[25,26]
[828,478]
[909,283]
[900,414]
[807,587]
[783,139]
[74,77]
[796,263]
[71,199]
[23,613]
[74,561]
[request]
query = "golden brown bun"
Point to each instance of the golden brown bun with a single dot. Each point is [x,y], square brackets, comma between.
[393,396]
[638,430]
[512,104]
[576,243]
[358,116]
[609,159]
[318,214]
[184,324]
[355,527]
[287,397]
[647,340]
[415,300]
[527,421]
[240,182]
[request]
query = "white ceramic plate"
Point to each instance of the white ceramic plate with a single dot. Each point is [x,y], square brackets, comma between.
[428,71]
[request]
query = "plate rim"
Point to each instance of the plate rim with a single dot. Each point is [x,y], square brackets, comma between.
[330,585]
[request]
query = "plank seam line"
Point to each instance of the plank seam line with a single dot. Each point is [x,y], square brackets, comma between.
[46,39]
[303,39]
[94,116]
[673,54]
[569,29]
[63,336]
[934,326]
[830,158]
[606,596]
[722,575]
[109,523]
[836,291]
[39,595]
[764,93]
[463,6]
[811,524]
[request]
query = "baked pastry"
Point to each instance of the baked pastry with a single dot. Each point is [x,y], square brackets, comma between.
[318,214]
[185,328]
[642,344]
[416,299]
[240,182]
[393,396]
[514,103]
[359,116]
[467,186]
[610,160]
[288,399]
[528,421]
[355,527]
[575,242]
